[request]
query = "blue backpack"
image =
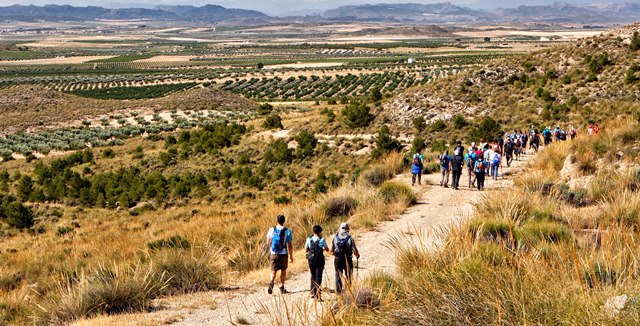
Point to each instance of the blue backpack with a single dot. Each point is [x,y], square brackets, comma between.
[496,159]
[278,242]
[342,247]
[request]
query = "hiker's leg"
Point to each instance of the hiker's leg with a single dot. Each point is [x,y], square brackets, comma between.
[283,276]
[338,264]
[349,271]
[312,287]
[413,179]
[420,178]
[319,270]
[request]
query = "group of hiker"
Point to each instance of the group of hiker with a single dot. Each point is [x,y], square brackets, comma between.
[343,247]
[480,160]
[486,159]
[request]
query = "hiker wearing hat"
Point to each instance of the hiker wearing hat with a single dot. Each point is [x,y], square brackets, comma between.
[280,240]
[315,247]
[343,248]
[470,160]
[416,168]
[459,149]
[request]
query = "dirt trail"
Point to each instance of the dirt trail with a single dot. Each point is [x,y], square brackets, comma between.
[438,208]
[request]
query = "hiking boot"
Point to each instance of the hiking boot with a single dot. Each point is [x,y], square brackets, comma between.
[270,289]
[283,290]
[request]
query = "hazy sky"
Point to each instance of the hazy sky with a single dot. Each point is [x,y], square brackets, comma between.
[289,6]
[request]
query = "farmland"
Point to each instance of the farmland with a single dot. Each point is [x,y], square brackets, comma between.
[154,63]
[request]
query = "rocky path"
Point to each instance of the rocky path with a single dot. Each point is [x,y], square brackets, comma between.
[438,208]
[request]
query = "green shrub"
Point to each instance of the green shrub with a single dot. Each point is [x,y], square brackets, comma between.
[106,290]
[339,207]
[282,200]
[431,167]
[438,125]
[307,143]
[190,271]
[278,152]
[419,124]
[108,153]
[265,109]
[489,229]
[272,121]
[357,115]
[459,122]
[635,42]
[174,242]
[536,231]
[17,215]
[376,176]
[62,230]
[488,129]
[396,192]
[385,142]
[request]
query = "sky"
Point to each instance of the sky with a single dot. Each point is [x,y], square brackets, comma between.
[283,7]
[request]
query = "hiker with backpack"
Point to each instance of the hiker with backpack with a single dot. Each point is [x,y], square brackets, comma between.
[572,133]
[481,169]
[470,161]
[557,133]
[445,161]
[509,147]
[496,162]
[343,248]
[416,169]
[456,169]
[316,246]
[535,141]
[546,134]
[279,240]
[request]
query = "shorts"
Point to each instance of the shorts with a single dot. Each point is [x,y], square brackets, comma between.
[279,262]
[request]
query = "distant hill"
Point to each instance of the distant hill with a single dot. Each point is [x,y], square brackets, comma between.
[564,12]
[448,12]
[403,12]
[208,13]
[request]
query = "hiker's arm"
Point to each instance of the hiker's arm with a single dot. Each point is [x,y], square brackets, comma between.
[355,249]
[290,248]
[326,248]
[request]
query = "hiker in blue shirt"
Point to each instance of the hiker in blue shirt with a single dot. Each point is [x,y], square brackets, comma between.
[279,240]
[315,247]
[416,168]
[445,161]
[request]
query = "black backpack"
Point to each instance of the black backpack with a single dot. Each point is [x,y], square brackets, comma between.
[315,255]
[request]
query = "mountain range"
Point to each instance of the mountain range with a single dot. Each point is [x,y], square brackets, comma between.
[207,13]
[448,12]
[445,12]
